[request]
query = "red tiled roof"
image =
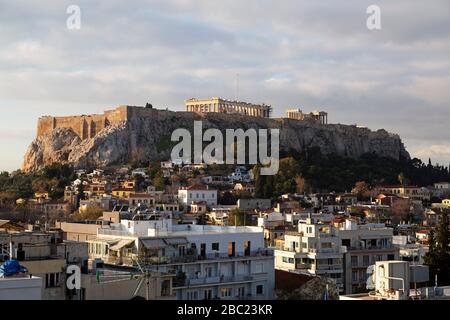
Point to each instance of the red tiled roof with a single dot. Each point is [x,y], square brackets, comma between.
[140,195]
[199,202]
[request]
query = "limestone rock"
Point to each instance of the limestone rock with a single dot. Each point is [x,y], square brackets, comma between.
[149,139]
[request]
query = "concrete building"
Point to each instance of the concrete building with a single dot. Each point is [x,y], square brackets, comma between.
[391,280]
[141,198]
[114,283]
[46,256]
[314,249]
[254,203]
[365,245]
[187,195]
[208,261]
[442,186]
[80,231]
[227,106]
[198,207]
[21,288]
[297,114]
[411,192]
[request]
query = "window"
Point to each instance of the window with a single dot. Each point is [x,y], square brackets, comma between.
[231,249]
[208,271]
[259,268]
[288,260]
[207,294]
[354,276]
[354,261]
[362,275]
[241,291]
[366,260]
[225,292]
[326,245]
[215,246]
[51,280]
[260,289]
[165,288]
[391,257]
[346,242]
[247,248]
[192,295]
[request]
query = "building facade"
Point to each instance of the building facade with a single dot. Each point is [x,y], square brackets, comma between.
[365,245]
[297,114]
[194,193]
[208,262]
[314,249]
[227,106]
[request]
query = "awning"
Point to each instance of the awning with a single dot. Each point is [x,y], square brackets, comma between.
[102,240]
[122,243]
[177,240]
[153,243]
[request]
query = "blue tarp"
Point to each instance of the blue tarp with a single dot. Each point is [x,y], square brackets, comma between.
[11,267]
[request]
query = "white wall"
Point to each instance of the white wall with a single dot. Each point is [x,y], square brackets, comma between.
[256,239]
[23,288]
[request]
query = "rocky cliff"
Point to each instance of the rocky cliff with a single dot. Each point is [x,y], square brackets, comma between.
[149,138]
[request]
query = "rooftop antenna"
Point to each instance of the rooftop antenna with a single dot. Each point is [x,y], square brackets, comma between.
[143,274]
[237,86]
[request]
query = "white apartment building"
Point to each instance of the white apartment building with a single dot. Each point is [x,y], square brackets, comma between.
[314,249]
[197,193]
[21,288]
[207,261]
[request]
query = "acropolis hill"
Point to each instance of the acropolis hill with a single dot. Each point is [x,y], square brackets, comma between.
[128,132]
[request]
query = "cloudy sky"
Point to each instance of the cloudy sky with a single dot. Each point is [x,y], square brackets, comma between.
[308,54]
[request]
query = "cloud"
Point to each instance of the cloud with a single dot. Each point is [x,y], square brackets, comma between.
[440,153]
[295,53]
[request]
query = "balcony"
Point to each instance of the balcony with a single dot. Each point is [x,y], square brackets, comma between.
[212,280]
[328,267]
[386,247]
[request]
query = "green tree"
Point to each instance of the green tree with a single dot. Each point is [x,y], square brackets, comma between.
[438,256]
[158,181]
[89,214]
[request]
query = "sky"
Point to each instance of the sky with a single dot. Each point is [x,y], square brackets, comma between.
[306,54]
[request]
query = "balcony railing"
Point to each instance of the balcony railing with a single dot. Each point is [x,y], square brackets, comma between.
[390,246]
[213,280]
[155,260]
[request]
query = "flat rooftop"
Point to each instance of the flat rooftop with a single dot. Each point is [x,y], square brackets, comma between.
[180,229]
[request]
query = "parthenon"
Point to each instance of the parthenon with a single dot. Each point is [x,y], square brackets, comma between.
[227,106]
[298,114]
